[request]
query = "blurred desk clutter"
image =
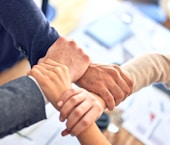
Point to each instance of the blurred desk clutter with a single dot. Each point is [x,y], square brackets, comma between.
[115,35]
[99,33]
[110,32]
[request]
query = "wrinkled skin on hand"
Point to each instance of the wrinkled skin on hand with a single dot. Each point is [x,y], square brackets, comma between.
[67,52]
[107,81]
[81,108]
[53,78]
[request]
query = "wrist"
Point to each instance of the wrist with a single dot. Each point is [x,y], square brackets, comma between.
[35,81]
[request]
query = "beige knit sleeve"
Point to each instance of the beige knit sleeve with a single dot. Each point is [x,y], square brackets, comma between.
[147,69]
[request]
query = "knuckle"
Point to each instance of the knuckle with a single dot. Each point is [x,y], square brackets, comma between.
[72,90]
[87,58]
[120,98]
[122,95]
[115,74]
[52,76]
[106,96]
[77,112]
[117,68]
[108,101]
[131,84]
[73,100]
[73,43]
[128,91]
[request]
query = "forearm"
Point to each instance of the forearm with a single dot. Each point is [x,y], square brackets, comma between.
[28,27]
[92,136]
[147,69]
[19,100]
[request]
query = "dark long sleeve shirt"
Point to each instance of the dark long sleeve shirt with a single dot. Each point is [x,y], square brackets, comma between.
[24,27]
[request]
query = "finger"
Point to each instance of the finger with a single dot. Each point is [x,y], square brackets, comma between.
[117,93]
[123,89]
[54,72]
[68,94]
[128,81]
[65,132]
[70,104]
[35,72]
[124,82]
[50,73]
[78,112]
[54,67]
[85,122]
[38,70]
[108,97]
[125,76]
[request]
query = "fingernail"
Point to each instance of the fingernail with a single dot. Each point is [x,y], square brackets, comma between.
[62,119]
[65,132]
[60,103]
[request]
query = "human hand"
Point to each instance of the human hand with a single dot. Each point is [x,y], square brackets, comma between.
[108,81]
[68,53]
[81,109]
[53,78]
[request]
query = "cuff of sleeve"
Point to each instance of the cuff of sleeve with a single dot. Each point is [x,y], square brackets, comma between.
[45,98]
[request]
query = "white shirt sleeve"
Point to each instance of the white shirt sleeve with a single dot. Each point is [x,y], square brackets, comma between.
[45,98]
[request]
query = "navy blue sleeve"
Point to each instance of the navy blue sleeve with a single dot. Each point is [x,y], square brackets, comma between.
[28,27]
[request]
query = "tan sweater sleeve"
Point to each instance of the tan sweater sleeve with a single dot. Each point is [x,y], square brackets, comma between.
[147,69]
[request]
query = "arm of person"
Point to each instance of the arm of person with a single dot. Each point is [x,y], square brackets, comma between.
[147,69]
[33,36]
[108,81]
[92,132]
[80,108]
[53,78]
[154,64]
[139,72]
[25,23]
[67,52]
[91,135]
[19,100]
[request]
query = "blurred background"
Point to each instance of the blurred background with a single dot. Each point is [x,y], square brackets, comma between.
[111,31]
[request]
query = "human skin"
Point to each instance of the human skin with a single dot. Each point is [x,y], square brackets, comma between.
[45,72]
[114,83]
[80,108]
[111,81]
[54,89]
[67,52]
[91,135]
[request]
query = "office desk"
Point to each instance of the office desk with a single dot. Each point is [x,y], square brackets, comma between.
[123,137]
[147,36]
[68,10]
